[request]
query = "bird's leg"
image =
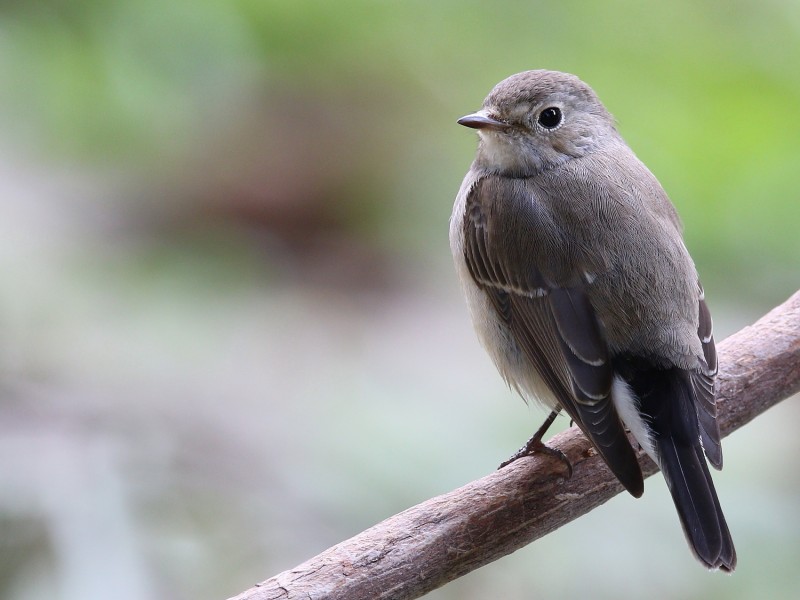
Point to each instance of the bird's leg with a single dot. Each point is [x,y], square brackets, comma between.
[535,445]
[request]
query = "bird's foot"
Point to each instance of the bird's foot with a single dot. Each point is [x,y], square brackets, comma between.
[535,445]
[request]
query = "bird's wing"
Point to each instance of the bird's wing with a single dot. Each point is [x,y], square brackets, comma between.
[703,383]
[510,247]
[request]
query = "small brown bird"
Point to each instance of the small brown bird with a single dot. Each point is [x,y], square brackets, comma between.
[583,293]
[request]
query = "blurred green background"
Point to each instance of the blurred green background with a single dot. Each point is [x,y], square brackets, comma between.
[231,335]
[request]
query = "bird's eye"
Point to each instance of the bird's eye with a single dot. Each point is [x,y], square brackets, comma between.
[550,118]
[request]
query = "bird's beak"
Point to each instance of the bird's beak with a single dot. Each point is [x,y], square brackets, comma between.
[480,120]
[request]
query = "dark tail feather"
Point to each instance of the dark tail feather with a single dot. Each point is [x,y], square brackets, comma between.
[693,492]
[668,404]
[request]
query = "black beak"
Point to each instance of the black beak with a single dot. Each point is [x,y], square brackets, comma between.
[479,120]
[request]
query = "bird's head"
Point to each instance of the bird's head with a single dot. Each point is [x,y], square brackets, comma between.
[536,120]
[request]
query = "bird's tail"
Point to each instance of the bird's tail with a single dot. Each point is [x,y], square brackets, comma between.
[689,481]
[668,405]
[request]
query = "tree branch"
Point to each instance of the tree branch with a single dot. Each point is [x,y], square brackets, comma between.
[426,546]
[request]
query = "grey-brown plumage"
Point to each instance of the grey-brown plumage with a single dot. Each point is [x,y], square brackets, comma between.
[583,293]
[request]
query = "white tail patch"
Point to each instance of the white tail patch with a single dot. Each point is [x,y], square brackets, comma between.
[627,405]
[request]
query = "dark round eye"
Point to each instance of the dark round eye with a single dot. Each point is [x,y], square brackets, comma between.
[550,117]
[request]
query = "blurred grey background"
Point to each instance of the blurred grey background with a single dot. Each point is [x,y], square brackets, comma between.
[230,331]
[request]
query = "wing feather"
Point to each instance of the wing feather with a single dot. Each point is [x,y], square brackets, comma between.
[553,323]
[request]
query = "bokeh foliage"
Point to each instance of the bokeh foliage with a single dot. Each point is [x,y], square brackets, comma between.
[231,331]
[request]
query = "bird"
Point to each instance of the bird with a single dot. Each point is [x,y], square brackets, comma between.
[582,291]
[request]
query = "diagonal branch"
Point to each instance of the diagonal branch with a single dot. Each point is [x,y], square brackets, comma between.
[426,546]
